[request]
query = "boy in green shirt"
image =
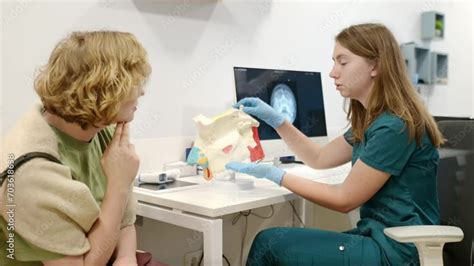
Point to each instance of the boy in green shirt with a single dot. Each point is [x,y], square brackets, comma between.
[79,212]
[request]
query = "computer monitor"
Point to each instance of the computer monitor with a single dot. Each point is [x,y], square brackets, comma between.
[297,95]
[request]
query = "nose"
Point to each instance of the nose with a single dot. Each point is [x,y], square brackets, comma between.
[334,73]
[141,92]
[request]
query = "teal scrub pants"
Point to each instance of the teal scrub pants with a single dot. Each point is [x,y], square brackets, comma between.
[300,246]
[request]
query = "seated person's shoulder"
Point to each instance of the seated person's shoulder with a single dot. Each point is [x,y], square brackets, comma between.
[388,121]
[63,209]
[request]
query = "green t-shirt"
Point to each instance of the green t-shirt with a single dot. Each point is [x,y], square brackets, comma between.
[409,197]
[83,159]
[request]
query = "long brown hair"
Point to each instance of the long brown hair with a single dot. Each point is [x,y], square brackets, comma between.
[392,90]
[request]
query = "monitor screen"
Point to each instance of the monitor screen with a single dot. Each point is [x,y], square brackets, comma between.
[297,95]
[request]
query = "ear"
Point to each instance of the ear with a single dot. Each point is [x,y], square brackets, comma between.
[374,69]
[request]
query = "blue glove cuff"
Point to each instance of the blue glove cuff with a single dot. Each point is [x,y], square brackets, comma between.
[277,175]
[277,121]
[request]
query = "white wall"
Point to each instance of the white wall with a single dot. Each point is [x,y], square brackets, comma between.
[453,99]
[193,47]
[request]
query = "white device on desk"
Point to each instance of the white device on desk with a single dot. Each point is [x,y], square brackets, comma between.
[160,177]
[161,181]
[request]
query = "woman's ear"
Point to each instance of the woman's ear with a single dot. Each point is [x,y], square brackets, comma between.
[374,69]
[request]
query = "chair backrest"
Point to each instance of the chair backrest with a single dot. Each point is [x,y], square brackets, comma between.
[456,187]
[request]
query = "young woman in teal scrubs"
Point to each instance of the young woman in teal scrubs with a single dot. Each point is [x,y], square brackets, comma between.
[392,143]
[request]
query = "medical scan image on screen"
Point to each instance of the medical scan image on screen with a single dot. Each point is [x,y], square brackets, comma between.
[283,100]
[297,95]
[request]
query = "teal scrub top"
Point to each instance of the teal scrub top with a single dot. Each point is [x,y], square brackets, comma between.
[409,197]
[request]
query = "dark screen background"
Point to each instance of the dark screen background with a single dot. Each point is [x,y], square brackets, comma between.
[306,87]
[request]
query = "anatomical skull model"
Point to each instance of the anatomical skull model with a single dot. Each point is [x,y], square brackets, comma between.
[231,136]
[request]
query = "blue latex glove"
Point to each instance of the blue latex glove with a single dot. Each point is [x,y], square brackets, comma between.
[260,109]
[267,171]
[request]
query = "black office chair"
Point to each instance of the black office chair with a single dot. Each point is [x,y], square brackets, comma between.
[456,188]
[456,200]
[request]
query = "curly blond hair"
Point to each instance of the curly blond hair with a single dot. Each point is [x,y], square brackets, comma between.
[89,75]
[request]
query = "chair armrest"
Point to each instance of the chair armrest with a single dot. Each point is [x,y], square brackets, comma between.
[425,233]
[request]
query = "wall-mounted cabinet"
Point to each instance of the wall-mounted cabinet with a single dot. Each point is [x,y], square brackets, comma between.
[439,68]
[418,61]
[432,25]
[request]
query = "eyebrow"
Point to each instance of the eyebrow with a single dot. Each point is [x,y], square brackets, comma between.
[339,56]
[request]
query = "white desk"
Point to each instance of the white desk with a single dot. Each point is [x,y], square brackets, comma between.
[199,207]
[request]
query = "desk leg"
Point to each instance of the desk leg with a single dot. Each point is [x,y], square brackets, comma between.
[300,208]
[303,214]
[213,243]
[210,227]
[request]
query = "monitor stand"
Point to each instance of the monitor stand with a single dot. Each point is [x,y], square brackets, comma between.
[228,181]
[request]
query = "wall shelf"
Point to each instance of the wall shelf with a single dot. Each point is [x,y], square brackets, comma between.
[418,60]
[439,68]
[432,25]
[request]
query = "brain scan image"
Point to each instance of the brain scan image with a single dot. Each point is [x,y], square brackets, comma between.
[283,100]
